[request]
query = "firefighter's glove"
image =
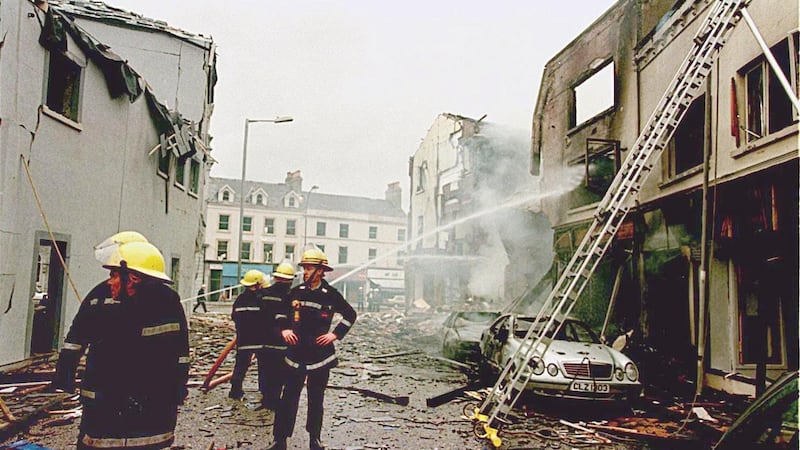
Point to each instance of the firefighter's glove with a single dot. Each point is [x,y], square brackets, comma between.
[289,337]
[326,339]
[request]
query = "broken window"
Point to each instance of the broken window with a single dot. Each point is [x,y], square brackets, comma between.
[194,176]
[247,223]
[342,255]
[63,86]
[422,172]
[321,248]
[180,172]
[291,226]
[224,222]
[246,254]
[222,250]
[602,163]
[685,149]
[594,95]
[268,252]
[767,105]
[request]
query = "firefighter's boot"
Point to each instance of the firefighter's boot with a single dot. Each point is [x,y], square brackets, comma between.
[236,392]
[278,444]
[315,443]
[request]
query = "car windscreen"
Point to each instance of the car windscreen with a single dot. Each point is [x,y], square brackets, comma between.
[572,330]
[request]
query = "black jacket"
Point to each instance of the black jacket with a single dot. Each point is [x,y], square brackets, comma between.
[310,315]
[138,354]
[273,304]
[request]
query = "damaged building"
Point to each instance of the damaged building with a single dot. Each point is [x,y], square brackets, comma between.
[706,265]
[476,233]
[92,143]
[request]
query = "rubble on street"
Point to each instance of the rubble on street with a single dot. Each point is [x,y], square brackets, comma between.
[378,398]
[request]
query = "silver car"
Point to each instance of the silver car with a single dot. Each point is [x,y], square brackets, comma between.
[576,364]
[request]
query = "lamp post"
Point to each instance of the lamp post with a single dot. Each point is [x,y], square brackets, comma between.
[305,216]
[247,122]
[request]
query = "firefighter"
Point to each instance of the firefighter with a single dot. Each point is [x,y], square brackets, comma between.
[89,314]
[251,332]
[137,364]
[311,353]
[273,305]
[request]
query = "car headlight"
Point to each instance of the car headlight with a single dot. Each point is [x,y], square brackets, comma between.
[552,369]
[537,365]
[619,374]
[631,371]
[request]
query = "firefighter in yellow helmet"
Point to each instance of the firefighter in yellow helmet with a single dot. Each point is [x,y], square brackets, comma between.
[311,353]
[137,364]
[251,336]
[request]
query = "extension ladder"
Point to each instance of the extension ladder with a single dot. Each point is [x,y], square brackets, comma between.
[610,213]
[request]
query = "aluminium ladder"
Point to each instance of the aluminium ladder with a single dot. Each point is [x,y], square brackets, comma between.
[619,198]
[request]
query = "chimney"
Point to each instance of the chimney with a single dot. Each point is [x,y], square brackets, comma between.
[394,194]
[294,181]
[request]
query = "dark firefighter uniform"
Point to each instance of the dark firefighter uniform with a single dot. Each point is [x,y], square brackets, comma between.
[273,304]
[137,366]
[257,333]
[310,314]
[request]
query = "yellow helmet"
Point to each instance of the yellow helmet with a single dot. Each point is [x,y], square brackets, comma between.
[104,250]
[141,257]
[285,270]
[252,277]
[315,257]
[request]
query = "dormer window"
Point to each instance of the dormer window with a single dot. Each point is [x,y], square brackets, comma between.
[225,194]
[292,202]
[259,197]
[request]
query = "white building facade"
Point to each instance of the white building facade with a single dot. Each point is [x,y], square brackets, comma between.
[279,220]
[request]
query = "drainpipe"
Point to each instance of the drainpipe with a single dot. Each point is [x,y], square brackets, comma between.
[702,317]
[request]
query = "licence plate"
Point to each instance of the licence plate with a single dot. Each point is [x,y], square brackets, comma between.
[588,386]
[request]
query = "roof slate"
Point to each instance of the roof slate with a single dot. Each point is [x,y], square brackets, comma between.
[317,200]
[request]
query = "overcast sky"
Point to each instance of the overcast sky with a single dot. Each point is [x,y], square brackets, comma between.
[364,79]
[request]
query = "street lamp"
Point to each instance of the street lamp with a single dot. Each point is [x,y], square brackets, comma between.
[305,216]
[247,122]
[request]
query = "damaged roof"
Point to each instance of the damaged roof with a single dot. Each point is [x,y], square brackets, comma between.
[97,10]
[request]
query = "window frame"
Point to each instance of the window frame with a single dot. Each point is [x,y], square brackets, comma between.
[223,244]
[78,63]
[247,250]
[291,227]
[247,224]
[268,255]
[321,228]
[227,222]
[342,254]
[269,225]
[372,233]
[344,230]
